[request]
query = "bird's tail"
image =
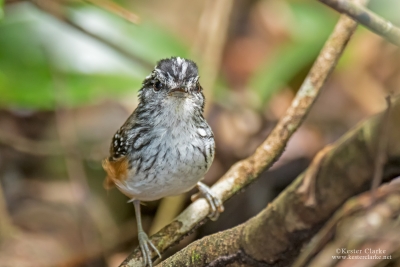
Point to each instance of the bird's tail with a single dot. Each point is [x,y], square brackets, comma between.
[116,171]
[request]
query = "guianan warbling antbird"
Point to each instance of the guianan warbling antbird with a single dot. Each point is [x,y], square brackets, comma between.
[165,147]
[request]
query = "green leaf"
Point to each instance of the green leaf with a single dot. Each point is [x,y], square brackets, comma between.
[1,9]
[76,89]
[147,40]
[35,48]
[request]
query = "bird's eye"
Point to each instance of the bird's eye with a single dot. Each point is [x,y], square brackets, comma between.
[157,86]
[197,88]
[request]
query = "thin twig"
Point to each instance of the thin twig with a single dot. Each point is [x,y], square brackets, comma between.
[367,18]
[247,171]
[116,9]
[54,9]
[382,145]
[307,188]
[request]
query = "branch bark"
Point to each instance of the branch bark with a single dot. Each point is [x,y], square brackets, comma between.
[276,235]
[365,223]
[367,18]
[246,171]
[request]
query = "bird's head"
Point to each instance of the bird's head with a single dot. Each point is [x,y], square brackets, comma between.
[173,81]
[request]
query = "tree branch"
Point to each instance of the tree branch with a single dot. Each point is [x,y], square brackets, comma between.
[247,171]
[347,229]
[367,18]
[276,235]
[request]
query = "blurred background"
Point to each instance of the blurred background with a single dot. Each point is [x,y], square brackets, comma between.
[70,71]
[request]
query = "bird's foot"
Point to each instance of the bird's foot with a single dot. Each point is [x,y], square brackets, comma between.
[144,243]
[215,203]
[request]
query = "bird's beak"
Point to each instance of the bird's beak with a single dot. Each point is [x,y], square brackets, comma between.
[178,92]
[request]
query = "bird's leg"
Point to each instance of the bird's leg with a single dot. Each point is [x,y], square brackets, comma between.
[144,240]
[215,203]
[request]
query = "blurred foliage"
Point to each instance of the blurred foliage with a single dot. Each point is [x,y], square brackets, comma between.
[314,23]
[88,70]
[1,9]
[85,68]
[147,41]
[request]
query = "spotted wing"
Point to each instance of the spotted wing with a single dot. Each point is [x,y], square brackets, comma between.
[116,165]
[120,144]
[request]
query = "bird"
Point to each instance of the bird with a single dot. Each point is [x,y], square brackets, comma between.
[165,147]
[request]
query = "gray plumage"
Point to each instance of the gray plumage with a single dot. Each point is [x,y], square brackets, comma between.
[166,140]
[166,146]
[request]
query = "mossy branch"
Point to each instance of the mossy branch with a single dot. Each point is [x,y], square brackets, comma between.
[276,235]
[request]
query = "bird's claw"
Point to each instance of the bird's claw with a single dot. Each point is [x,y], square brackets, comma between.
[144,243]
[215,203]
